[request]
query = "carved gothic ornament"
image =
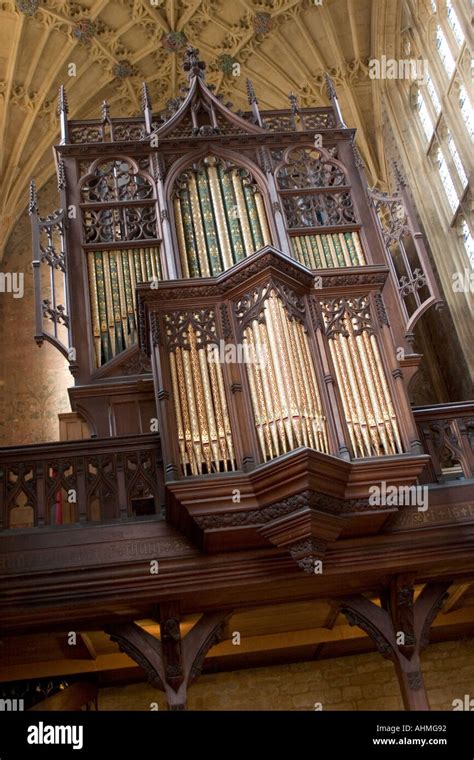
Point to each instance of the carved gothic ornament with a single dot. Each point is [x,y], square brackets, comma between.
[372,278]
[115,180]
[306,167]
[392,214]
[381,311]
[264,515]
[250,306]
[338,311]
[131,647]
[354,617]
[177,324]
[306,553]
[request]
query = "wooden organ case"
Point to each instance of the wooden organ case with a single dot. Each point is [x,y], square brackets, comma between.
[236,269]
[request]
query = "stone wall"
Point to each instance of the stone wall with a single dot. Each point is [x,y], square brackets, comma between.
[361,682]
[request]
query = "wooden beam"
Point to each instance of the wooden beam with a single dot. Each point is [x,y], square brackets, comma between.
[456,597]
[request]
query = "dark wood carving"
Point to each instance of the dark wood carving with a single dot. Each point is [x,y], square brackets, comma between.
[400,630]
[173,663]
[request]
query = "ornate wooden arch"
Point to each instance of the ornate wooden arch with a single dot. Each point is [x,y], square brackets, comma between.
[240,161]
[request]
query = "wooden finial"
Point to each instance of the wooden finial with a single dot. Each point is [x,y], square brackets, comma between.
[193,64]
[332,97]
[294,105]
[33,199]
[61,175]
[63,106]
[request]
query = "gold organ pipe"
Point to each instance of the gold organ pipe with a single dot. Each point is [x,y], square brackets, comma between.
[262,218]
[360,417]
[259,423]
[123,300]
[193,414]
[213,364]
[133,277]
[347,399]
[199,227]
[284,393]
[279,408]
[295,418]
[345,251]
[199,398]
[211,422]
[225,415]
[361,376]
[188,430]
[94,305]
[277,429]
[177,406]
[271,412]
[243,214]
[181,238]
[275,306]
[109,302]
[358,247]
[386,391]
[260,396]
[375,405]
[219,215]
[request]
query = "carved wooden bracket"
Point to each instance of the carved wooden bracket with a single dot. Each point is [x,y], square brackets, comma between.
[305,531]
[400,630]
[171,663]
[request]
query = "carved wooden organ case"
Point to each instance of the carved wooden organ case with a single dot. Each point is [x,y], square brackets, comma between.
[267,285]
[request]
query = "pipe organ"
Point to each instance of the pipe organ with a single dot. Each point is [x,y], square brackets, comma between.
[236,267]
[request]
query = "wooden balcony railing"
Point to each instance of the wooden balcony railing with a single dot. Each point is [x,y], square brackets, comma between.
[121,478]
[80,481]
[447,435]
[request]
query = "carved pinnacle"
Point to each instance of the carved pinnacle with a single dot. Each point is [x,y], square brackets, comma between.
[63,106]
[33,199]
[146,101]
[251,96]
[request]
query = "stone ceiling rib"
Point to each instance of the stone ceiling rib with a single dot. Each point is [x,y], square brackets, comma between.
[352,23]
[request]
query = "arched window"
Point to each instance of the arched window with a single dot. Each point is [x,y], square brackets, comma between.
[220,216]
[444,52]
[443,108]
[453,22]
[446,179]
[466,109]
[424,114]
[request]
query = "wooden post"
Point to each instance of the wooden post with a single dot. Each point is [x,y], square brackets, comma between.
[400,630]
[173,663]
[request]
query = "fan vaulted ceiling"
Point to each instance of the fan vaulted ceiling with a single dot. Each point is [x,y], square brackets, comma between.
[115,45]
